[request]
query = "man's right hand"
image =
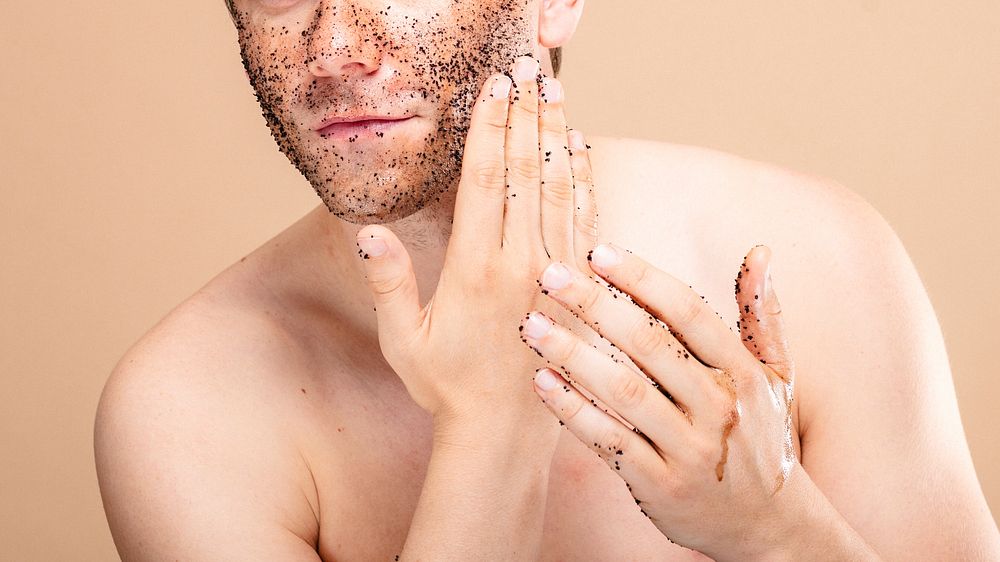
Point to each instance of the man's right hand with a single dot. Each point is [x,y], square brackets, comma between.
[525,198]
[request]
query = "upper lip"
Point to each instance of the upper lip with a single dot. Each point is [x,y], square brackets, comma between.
[334,119]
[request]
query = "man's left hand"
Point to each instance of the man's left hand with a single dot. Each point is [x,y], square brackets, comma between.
[705,443]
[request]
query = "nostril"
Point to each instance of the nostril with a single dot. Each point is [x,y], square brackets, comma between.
[358,68]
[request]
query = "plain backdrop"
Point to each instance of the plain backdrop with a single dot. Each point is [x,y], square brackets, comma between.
[135,165]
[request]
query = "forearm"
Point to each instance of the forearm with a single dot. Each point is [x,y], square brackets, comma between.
[484,494]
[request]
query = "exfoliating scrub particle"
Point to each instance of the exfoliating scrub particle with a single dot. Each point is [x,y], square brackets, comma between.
[423,60]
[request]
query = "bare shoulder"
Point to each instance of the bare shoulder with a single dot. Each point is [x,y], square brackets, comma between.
[702,179]
[194,437]
[699,211]
[878,417]
[718,205]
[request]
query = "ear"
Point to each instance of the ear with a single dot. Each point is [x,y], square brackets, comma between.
[557,21]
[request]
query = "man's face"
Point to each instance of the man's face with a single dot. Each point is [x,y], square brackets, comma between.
[420,63]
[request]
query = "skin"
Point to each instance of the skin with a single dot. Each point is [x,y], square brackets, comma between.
[421,70]
[267,397]
[666,445]
[489,433]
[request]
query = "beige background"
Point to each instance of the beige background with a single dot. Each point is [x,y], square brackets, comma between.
[135,165]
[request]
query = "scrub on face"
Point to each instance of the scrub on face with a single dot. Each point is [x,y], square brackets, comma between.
[434,55]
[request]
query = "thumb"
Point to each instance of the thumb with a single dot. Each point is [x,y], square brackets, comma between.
[761,325]
[391,280]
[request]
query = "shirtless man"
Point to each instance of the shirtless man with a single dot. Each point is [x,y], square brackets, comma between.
[303,406]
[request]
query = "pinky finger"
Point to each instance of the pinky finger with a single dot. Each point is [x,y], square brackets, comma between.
[624,450]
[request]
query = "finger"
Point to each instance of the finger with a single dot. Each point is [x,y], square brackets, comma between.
[585,203]
[762,329]
[522,221]
[391,281]
[479,203]
[646,341]
[761,325]
[626,451]
[614,383]
[557,176]
[695,325]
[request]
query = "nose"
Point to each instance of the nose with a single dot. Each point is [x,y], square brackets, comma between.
[344,40]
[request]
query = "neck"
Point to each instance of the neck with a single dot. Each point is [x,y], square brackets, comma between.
[425,236]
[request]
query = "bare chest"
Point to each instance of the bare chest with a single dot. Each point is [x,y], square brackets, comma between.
[369,476]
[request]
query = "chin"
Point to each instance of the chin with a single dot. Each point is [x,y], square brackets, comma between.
[377,206]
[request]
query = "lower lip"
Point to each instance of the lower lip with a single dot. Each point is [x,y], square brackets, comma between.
[358,130]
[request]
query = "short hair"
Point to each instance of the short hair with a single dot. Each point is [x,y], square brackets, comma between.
[555,55]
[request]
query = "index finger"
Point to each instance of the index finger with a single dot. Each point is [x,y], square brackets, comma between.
[479,204]
[691,320]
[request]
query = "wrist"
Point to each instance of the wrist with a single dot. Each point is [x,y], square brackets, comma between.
[788,528]
[804,525]
[497,428]
[777,532]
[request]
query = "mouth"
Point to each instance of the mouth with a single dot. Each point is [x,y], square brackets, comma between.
[353,128]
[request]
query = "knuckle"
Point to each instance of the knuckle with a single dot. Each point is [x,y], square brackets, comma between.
[488,118]
[487,173]
[716,402]
[486,278]
[585,223]
[628,390]
[573,408]
[611,441]
[721,393]
[706,454]
[490,273]
[553,127]
[670,484]
[750,374]
[645,340]
[558,191]
[494,121]
[590,297]
[727,411]
[582,177]
[525,108]
[569,349]
[689,309]
[640,276]
[523,166]
[386,287]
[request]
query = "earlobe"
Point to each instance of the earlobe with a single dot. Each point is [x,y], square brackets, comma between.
[557,21]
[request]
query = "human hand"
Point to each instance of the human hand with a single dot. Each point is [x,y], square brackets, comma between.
[712,442]
[524,195]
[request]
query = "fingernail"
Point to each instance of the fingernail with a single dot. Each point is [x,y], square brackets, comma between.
[605,256]
[501,87]
[576,141]
[525,69]
[372,246]
[546,379]
[537,326]
[552,90]
[556,276]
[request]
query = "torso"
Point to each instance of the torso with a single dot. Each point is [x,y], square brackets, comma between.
[692,213]
[368,461]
